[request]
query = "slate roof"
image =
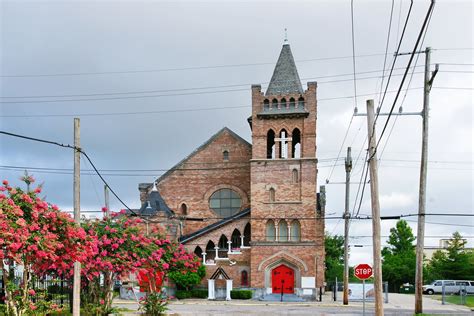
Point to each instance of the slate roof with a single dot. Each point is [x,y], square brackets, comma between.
[285,79]
[205,230]
[154,205]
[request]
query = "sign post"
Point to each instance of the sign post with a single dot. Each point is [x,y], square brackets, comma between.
[363,271]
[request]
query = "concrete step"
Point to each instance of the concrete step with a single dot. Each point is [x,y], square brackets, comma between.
[278,298]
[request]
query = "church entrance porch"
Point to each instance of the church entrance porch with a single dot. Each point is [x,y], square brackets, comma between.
[283,280]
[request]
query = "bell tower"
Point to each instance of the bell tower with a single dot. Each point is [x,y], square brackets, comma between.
[286,228]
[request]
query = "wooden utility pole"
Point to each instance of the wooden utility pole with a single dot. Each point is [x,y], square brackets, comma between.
[420,236]
[106,197]
[76,290]
[374,190]
[348,165]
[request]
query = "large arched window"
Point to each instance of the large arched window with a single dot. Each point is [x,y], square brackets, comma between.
[270,144]
[247,233]
[270,230]
[210,251]
[296,143]
[225,202]
[236,241]
[282,230]
[295,231]
[223,246]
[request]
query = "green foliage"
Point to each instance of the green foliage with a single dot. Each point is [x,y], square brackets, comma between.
[334,257]
[456,299]
[455,264]
[399,258]
[185,281]
[241,294]
[154,304]
[195,293]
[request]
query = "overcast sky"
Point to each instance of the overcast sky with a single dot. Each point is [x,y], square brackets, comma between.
[153,80]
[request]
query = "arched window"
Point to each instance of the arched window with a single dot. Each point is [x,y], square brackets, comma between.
[301,103]
[266,105]
[198,252]
[295,231]
[294,176]
[244,278]
[223,246]
[270,231]
[184,209]
[236,238]
[282,230]
[283,144]
[271,144]
[210,251]
[296,143]
[225,154]
[274,104]
[292,103]
[247,235]
[225,202]
[271,193]
[283,103]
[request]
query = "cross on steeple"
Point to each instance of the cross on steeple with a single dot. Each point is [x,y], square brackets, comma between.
[286,37]
[284,144]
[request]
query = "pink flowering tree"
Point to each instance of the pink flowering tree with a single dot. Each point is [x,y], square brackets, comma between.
[40,238]
[124,248]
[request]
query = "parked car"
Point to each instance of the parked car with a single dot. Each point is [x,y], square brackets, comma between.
[450,287]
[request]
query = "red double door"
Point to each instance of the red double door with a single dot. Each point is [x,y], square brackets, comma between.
[283,280]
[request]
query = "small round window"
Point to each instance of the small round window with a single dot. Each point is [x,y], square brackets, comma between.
[225,202]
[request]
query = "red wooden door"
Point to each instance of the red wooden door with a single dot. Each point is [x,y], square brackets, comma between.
[283,277]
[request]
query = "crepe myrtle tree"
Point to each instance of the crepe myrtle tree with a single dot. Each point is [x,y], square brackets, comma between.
[124,249]
[42,240]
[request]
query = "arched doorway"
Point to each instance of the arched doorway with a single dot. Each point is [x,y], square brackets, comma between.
[283,280]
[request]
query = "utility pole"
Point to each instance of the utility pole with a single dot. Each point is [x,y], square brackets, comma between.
[348,165]
[374,190]
[106,197]
[420,239]
[76,291]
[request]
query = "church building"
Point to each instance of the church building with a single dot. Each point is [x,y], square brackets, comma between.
[252,211]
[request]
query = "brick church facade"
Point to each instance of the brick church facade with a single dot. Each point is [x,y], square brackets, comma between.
[252,210]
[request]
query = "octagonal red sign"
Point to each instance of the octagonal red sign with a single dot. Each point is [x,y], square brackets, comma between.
[363,271]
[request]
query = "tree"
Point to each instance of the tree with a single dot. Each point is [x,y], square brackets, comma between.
[185,281]
[455,263]
[334,257]
[399,258]
[123,249]
[40,238]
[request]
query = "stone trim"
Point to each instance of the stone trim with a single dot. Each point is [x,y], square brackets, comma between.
[285,243]
[282,254]
[283,159]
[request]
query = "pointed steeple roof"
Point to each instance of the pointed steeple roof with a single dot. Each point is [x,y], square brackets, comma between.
[285,79]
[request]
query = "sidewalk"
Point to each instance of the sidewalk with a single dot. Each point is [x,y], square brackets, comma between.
[399,304]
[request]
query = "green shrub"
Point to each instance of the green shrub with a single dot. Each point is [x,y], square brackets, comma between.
[200,293]
[181,294]
[241,294]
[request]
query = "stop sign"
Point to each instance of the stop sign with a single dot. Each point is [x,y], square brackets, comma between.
[363,271]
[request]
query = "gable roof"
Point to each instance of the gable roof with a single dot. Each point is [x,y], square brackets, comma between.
[195,151]
[219,272]
[285,78]
[207,229]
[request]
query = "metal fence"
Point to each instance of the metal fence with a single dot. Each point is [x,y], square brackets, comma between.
[53,290]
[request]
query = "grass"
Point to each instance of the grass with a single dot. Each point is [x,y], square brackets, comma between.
[456,299]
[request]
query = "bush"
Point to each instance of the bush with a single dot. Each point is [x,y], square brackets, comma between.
[196,293]
[200,293]
[241,294]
